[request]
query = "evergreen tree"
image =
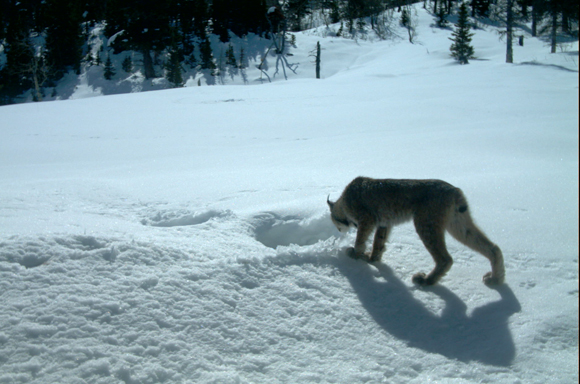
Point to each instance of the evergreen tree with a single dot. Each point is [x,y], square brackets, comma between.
[230,57]
[173,68]
[243,60]
[333,8]
[18,51]
[238,17]
[146,26]
[127,64]
[207,59]
[189,19]
[405,20]
[63,35]
[200,13]
[441,17]
[221,19]
[109,69]
[354,9]
[539,8]
[295,11]
[562,15]
[25,65]
[479,8]
[461,49]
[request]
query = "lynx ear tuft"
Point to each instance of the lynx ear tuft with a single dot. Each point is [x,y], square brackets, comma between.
[330,203]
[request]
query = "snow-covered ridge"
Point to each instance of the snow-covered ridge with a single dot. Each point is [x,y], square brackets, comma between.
[262,65]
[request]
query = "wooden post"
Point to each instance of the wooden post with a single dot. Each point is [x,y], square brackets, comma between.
[318,60]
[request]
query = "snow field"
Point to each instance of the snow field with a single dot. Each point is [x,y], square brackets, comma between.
[183,237]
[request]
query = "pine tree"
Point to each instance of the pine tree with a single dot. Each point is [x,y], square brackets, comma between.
[25,65]
[238,17]
[334,9]
[405,21]
[109,69]
[243,63]
[461,49]
[207,59]
[63,35]
[479,8]
[296,10]
[441,17]
[127,64]
[230,57]
[173,68]
[146,28]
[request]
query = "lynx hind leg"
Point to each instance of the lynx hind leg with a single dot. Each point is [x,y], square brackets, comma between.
[381,236]
[433,237]
[462,228]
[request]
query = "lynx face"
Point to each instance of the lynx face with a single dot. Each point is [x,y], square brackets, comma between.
[338,217]
[342,226]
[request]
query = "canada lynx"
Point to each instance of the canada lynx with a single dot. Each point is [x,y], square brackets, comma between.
[433,205]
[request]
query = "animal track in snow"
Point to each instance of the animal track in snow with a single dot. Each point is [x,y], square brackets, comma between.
[182,218]
[274,230]
[38,252]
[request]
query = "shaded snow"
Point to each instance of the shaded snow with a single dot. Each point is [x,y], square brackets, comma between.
[183,236]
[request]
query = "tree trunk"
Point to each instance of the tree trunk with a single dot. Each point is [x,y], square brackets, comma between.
[148,64]
[565,22]
[39,74]
[37,89]
[510,20]
[554,30]
[535,18]
[318,60]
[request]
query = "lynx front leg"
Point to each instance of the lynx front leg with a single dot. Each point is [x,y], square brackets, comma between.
[381,236]
[364,230]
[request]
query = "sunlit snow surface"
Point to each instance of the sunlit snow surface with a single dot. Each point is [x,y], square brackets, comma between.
[182,236]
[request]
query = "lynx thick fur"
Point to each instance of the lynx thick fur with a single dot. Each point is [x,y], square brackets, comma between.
[434,206]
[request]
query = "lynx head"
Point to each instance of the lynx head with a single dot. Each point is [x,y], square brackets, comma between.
[337,216]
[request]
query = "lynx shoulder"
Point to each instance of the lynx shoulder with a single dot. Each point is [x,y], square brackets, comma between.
[434,206]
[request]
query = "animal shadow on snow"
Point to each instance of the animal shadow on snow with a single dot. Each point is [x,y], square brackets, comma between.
[483,336]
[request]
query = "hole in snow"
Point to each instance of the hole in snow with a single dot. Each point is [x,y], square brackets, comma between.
[83,243]
[274,230]
[33,260]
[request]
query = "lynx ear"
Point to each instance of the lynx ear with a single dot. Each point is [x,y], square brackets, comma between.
[330,203]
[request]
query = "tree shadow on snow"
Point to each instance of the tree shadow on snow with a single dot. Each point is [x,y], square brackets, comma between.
[483,336]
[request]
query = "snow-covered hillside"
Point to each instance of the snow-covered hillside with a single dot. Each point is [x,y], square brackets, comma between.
[182,236]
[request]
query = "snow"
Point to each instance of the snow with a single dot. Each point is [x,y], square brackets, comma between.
[183,236]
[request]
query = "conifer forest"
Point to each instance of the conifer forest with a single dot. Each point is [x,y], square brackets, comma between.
[42,40]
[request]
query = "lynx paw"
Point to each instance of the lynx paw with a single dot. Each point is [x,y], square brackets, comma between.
[489,279]
[352,253]
[420,279]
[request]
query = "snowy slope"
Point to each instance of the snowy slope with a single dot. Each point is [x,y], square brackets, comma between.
[182,236]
